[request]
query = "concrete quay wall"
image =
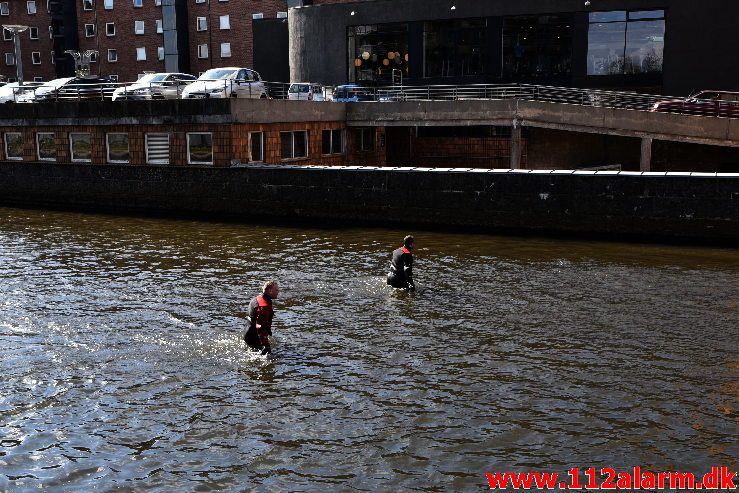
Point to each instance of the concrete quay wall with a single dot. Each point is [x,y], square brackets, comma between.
[662,206]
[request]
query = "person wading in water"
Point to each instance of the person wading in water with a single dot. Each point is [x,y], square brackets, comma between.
[401,266]
[260,318]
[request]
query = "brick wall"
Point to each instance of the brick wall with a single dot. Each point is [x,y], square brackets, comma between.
[239,35]
[18,14]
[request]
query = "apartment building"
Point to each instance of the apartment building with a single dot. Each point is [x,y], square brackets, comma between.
[130,37]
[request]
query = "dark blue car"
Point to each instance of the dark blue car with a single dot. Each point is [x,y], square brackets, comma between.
[351,93]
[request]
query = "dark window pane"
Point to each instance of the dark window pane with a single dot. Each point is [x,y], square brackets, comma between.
[606,48]
[645,44]
[118,147]
[647,14]
[200,147]
[454,48]
[81,146]
[46,146]
[537,47]
[286,145]
[337,142]
[301,144]
[256,152]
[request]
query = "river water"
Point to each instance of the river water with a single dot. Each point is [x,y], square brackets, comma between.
[123,369]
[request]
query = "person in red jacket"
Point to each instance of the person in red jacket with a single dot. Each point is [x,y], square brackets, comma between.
[260,318]
[401,266]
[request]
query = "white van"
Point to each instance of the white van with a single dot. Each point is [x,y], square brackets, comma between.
[306,91]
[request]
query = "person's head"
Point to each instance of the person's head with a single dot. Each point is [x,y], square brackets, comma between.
[409,242]
[271,289]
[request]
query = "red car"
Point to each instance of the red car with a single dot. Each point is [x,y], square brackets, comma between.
[706,103]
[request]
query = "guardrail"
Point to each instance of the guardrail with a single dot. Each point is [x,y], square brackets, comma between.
[220,88]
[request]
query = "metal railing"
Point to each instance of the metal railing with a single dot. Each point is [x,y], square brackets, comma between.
[221,88]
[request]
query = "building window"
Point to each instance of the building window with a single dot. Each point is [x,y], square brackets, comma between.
[117,147]
[4,10]
[141,54]
[225,22]
[89,30]
[36,57]
[45,146]
[9,59]
[203,51]
[31,7]
[110,28]
[199,1]
[112,56]
[160,53]
[33,32]
[13,146]
[621,42]
[138,3]
[113,77]
[200,148]
[332,141]
[256,146]
[160,29]
[138,27]
[80,147]
[108,4]
[202,24]
[157,148]
[454,48]
[87,4]
[38,79]
[157,3]
[377,52]
[53,57]
[282,15]
[294,145]
[225,50]
[93,57]
[537,46]
[257,16]
[365,139]
[7,35]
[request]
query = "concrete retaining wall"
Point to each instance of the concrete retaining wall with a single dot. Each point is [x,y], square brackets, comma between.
[645,205]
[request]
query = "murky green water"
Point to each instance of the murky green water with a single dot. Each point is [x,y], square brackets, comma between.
[123,369]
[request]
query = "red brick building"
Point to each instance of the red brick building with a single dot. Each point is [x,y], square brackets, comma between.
[37,43]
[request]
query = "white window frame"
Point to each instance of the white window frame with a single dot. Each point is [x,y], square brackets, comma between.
[159,26]
[224,22]
[282,15]
[201,23]
[71,148]
[139,27]
[31,7]
[87,4]
[38,146]
[94,57]
[261,139]
[108,4]
[107,148]
[35,58]
[342,139]
[160,52]
[89,30]
[32,31]
[141,54]
[203,51]
[108,31]
[10,59]
[146,148]
[5,146]
[137,4]
[292,138]
[157,3]
[53,57]
[113,77]
[114,58]
[224,47]
[4,9]
[212,151]
[258,15]
[38,79]
[199,1]
[8,36]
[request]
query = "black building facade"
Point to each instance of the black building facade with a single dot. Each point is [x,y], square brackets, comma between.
[658,46]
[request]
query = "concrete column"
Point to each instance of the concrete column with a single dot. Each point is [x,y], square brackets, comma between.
[645,164]
[515,145]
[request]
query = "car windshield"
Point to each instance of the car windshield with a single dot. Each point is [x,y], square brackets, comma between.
[298,88]
[219,73]
[151,78]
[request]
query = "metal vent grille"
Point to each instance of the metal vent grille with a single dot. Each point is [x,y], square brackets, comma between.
[157,148]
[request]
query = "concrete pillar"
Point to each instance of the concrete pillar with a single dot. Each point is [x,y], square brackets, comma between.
[515,145]
[645,164]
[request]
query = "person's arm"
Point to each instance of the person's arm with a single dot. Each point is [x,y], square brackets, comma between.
[263,324]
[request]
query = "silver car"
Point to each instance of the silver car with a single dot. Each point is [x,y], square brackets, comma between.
[163,85]
[227,82]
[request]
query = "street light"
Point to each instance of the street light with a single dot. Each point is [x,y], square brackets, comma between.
[82,61]
[16,29]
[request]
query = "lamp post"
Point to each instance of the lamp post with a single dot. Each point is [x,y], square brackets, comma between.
[82,61]
[16,29]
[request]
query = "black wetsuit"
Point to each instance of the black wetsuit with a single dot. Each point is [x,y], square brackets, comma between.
[401,269]
[260,323]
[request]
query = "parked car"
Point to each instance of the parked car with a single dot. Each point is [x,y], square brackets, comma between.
[165,85]
[306,91]
[227,82]
[45,92]
[10,93]
[708,103]
[353,93]
[91,87]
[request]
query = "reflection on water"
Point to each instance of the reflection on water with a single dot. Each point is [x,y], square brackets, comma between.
[123,366]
